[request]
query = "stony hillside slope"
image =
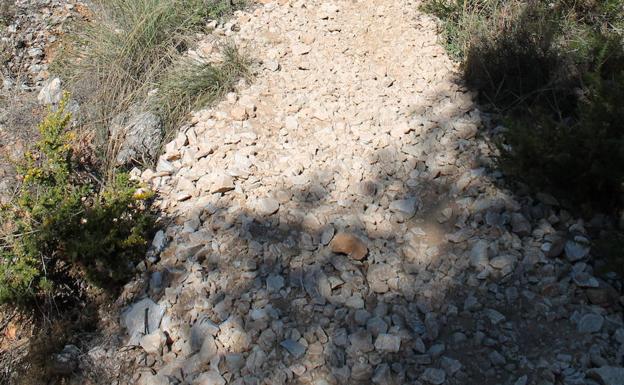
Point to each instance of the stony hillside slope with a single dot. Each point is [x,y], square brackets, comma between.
[337,222]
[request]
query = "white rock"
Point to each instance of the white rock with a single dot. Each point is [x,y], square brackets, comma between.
[152,343]
[133,318]
[267,206]
[209,378]
[388,343]
[51,93]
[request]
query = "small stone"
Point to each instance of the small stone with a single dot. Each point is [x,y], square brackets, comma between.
[291,123]
[221,184]
[238,113]
[271,65]
[267,206]
[590,323]
[522,380]
[496,358]
[406,207]
[520,225]
[66,361]
[607,375]
[209,378]
[51,93]
[293,347]
[576,251]
[327,235]
[133,318]
[301,49]
[345,243]
[434,376]
[583,279]
[152,343]
[200,330]
[376,325]
[450,365]
[494,316]
[388,343]
[505,263]
[479,254]
[367,188]
[275,283]
[148,378]
[361,371]
[361,341]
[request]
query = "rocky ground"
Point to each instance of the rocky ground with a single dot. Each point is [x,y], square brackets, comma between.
[30,31]
[338,221]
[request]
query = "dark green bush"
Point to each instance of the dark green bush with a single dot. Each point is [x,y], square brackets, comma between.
[60,227]
[581,160]
[554,73]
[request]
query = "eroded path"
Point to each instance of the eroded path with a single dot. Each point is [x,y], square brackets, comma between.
[356,123]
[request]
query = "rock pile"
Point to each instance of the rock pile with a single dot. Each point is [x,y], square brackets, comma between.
[336,222]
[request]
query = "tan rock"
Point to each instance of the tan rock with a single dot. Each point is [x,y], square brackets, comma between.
[353,246]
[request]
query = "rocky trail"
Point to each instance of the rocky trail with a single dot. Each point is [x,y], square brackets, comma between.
[338,221]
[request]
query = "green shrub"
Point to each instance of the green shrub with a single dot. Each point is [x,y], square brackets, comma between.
[581,160]
[59,221]
[553,72]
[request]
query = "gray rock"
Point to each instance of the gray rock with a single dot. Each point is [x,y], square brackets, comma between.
[607,375]
[583,279]
[575,250]
[376,325]
[361,341]
[406,207]
[434,376]
[590,323]
[133,318]
[520,225]
[494,316]
[51,93]
[388,343]
[66,361]
[139,136]
[361,371]
[293,347]
[479,254]
[327,235]
[450,365]
[505,263]
[200,330]
[496,358]
[522,380]
[159,241]
[275,283]
[382,375]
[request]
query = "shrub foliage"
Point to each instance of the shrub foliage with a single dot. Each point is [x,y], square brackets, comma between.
[59,221]
[554,71]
